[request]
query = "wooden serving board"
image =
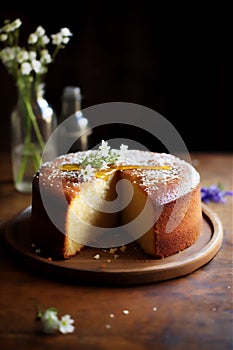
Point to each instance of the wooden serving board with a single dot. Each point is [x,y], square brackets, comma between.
[127,267]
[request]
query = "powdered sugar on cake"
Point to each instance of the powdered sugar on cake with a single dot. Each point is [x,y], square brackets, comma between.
[153,181]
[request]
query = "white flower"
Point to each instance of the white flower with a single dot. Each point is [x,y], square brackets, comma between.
[22,56]
[32,55]
[123,149]
[65,324]
[39,34]
[104,148]
[26,68]
[50,321]
[16,24]
[40,31]
[36,65]
[62,37]
[8,54]
[45,39]
[3,37]
[11,27]
[65,32]
[65,40]
[45,56]
[87,173]
[32,39]
[57,39]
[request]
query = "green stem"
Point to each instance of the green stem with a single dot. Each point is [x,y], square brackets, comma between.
[23,165]
[34,122]
[27,141]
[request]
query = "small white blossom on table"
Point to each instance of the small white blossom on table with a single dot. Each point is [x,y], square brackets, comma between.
[66,324]
[51,324]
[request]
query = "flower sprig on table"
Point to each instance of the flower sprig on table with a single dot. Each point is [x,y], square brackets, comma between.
[214,193]
[51,324]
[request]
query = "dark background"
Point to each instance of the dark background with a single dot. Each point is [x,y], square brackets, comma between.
[173,59]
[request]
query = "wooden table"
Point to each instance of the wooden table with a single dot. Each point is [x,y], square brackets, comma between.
[188,312]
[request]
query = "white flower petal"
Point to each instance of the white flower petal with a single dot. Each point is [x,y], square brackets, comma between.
[57,39]
[104,148]
[123,150]
[22,56]
[3,37]
[65,40]
[40,31]
[36,65]
[65,324]
[45,39]
[50,321]
[32,39]
[65,32]
[32,55]
[26,68]
[87,173]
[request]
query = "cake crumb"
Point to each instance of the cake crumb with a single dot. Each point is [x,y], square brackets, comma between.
[112,315]
[154,308]
[123,248]
[97,256]
[103,266]
[108,260]
[214,309]
[108,326]
[112,250]
[125,312]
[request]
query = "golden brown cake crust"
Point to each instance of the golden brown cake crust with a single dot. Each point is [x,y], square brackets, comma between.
[187,231]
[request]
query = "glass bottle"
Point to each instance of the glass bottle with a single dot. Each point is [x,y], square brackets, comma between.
[75,130]
[32,122]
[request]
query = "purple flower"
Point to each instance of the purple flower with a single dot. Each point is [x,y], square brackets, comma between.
[214,193]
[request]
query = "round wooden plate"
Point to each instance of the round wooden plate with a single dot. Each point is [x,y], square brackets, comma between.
[127,267]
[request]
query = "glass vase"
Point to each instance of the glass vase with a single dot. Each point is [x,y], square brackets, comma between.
[32,122]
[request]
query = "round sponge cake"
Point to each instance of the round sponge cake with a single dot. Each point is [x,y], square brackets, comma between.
[158,203]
